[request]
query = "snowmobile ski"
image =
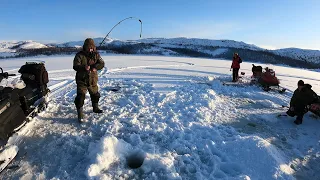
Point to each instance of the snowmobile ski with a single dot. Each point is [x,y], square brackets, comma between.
[241,84]
[7,155]
[267,89]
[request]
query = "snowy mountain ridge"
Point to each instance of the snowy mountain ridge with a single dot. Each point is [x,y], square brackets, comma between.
[12,46]
[296,53]
[201,42]
[173,46]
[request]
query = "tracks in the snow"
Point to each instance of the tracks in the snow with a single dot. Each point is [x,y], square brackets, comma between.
[67,83]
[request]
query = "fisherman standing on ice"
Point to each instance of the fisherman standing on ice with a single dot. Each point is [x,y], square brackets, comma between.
[86,63]
[236,60]
[302,97]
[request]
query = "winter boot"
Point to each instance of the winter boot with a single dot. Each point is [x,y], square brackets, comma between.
[290,113]
[96,108]
[298,121]
[80,115]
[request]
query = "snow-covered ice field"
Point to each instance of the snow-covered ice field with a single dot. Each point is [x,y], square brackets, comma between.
[173,114]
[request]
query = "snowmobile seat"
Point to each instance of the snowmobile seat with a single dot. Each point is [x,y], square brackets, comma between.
[268,78]
[256,70]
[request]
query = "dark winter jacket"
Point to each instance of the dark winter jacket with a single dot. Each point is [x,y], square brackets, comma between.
[83,58]
[236,62]
[304,97]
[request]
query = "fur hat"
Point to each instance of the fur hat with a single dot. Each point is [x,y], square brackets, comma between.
[89,43]
[300,83]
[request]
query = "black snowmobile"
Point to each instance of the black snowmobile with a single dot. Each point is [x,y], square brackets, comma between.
[20,105]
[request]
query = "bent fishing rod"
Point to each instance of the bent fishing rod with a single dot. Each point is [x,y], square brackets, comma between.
[120,23]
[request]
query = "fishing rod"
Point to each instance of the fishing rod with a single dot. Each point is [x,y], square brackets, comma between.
[118,24]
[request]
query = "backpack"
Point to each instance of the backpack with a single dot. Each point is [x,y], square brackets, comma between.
[34,74]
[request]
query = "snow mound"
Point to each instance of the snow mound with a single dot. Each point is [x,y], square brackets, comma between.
[180,136]
[109,150]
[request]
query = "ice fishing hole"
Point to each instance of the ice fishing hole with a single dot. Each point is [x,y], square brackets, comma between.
[135,159]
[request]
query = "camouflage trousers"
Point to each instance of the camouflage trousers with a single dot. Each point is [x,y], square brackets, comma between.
[81,95]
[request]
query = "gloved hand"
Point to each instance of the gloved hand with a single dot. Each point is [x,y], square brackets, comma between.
[308,107]
[92,54]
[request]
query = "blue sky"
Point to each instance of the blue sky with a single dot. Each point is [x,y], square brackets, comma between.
[271,24]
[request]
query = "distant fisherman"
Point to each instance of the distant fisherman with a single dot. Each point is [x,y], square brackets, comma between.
[86,63]
[236,60]
[302,97]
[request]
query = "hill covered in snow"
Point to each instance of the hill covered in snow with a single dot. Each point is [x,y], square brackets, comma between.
[186,47]
[11,49]
[201,42]
[15,45]
[301,54]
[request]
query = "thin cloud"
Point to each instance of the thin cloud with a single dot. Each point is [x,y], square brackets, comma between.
[206,30]
[91,34]
[9,41]
[82,34]
[267,47]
